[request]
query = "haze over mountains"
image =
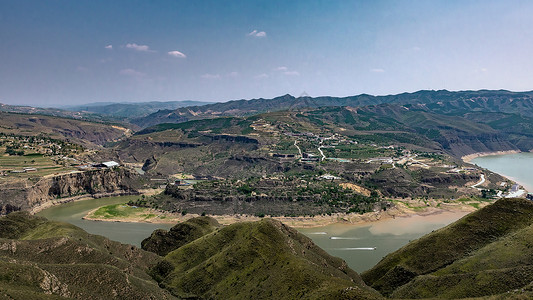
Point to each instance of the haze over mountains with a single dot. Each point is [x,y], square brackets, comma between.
[445,102]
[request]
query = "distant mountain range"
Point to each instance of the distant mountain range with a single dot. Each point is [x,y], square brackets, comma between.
[131,109]
[441,102]
[102,111]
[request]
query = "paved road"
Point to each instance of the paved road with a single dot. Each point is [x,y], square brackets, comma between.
[480,182]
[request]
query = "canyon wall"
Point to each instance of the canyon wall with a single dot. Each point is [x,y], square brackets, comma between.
[28,194]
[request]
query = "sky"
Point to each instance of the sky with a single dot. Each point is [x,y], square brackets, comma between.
[74,52]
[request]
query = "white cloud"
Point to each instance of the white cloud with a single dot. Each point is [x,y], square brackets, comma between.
[282,69]
[109,47]
[292,73]
[233,74]
[210,76]
[141,48]
[131,72]
[484,69]
[416,48]
[261,76]
[258,34]
[377,70]
[176,53]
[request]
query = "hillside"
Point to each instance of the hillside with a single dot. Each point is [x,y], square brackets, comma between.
[55,112]
[259,260]
[441,102]
[283,156]
[162,241]
[130,110]
[485,253]
[40,259]
[90,134]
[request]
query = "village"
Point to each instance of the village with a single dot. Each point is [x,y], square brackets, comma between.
[33,157]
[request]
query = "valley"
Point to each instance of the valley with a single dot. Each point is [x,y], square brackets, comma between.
[252,173]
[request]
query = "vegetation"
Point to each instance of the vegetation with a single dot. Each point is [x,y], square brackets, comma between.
[485,253]
[162,241]
[291,195]
[41,259]
[259,260]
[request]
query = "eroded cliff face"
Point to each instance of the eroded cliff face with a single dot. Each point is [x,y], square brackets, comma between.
[25,195]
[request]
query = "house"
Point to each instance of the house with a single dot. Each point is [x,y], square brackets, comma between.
[329,177]
[108,164]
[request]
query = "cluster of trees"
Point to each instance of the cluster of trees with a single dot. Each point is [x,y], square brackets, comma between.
[11,150]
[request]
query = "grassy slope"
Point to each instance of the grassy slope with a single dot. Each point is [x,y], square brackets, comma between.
[162,241]
[487,252]
[260,260]
[39,257]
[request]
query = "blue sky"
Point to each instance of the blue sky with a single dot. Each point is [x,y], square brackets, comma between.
[73,52]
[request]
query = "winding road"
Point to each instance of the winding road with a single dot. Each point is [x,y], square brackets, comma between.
[481,181]
[299,150]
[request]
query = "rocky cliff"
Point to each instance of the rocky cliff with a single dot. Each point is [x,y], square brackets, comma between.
[27,194]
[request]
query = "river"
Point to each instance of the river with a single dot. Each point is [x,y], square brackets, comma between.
[338,239]
[353,243]
[124,232]
[363,246]
[516,167]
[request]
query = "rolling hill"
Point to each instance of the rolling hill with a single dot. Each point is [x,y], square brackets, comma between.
[86,133]
[487,252]
[40,259]
[259,260]
[129,110]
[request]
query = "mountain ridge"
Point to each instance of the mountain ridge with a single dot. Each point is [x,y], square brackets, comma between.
[452,102]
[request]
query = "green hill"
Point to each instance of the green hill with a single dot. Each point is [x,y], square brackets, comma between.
[162,241]
[259,260]
[488,252]
[41,259]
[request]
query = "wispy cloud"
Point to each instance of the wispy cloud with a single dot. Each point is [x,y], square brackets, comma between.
[210,76]
[233,74]
[286,71]
[109,47]
[131,72]
[377,70]
[292,73]
[141,48]
[261,76]
[82,69]
[259,34]
[176,53]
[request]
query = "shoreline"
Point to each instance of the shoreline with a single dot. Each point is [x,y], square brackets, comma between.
[469,157]
[56,202]
[399,211]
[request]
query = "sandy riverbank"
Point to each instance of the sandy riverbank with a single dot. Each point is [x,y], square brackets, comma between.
[400,210]
[469,157]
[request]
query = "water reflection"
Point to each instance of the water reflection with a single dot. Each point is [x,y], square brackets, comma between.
[362,246]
